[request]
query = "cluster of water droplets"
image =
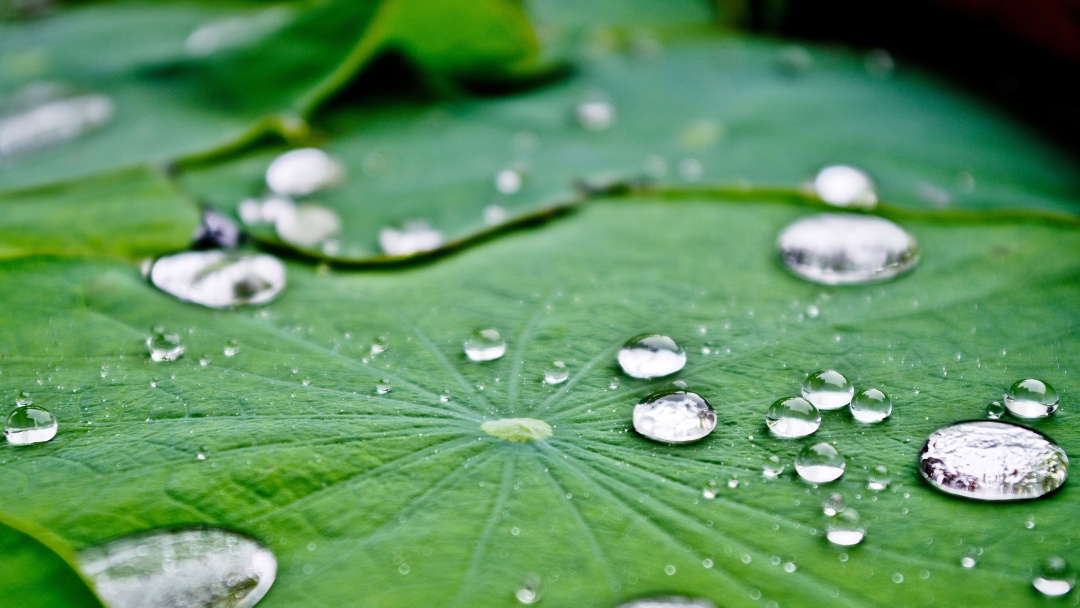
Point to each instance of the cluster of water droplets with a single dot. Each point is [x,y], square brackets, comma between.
[793,417]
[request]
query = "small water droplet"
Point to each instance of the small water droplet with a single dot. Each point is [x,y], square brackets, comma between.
[772,468]
[303,171]
[445,397]
[556,373]
[1031,398]
[154,382]
[871,405]
[509,181]
[812,311]
[529,591]
[651,356]
[307,225]
[878,479]
[595,115]
[232,347]
[674,417]
[204,361]
[413,237]
[971,557]
[710,490]
[164,346]
[382,387]
[845,528]
[845,186]
[220,279]
[23,398]
[404,568]
[833,504]
[792,417]
[494,215]
[1055,577]
[707,563]
[485,345]
[820,463]
[790,567]
[27,425]
[828,390]
[847,249]
[995,410]
[669,570]
[379,345]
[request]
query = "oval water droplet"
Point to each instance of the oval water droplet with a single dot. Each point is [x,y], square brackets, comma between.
[878,479]
[845,528]
[220,279]
[833,504]
[845,186]
[674,417]
[163,345]
[992,460]
[1031,398]
[485,345]
[412,238]
[651,356]
[820,463]
[28,424]
[847,249]
[595,115]
[208,568]
[668,601]
[828,390]
[871,405]
[995,410]
[792,417]
[303,171]
[307,225]
[46,114]
[1055,577]
[556,373]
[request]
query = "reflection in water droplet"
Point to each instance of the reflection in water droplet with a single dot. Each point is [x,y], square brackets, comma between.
[307,225]
[668,602]
[792,417]
[27,425]
[995,410]
[878,479]
[164,346]
[651,356]
[820,463]
[303,171]
[833,504]
[674,417]
[772,468]
[23,398]
[871,405]
[220,279]
[828,390]
[232,347]
[529,591]
[845,528]
[556,373]
[412,238]
[595,115]
[1055,577]
[1031,398]
[45,114]
[847,249]
[207,568]
[991,460]
[485,345]
[845,186]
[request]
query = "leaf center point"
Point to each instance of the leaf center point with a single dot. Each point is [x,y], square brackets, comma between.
[517,430]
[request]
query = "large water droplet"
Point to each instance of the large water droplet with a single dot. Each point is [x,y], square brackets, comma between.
[845,186]
[46,114]
[28,425]
[845,528]
[991,460]
[820,463]
[556,373]
[220,279]
[871,405]
[847,249]
[792,417]
[307,225]
[164,345]
[651,356]
[1031,398]
[595,115]
[302,172]
[485,345]
[828,390]
[668,602]
[674,417]
[412,238]
[207,568]
[1055,577]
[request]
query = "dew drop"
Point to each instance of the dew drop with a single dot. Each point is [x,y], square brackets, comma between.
[820,463]
[303,171]
[508,181]
[995,410]
[669,570]
[845,186]
[772,468]
[651,356]
[792,417]
[27,425]
[1031,398]
[163,345]
[307,225]
[833,504]
[220,279]
[232,347]
[967,561]
[828,390]
[485,345]
[494,215]
[845,528]
[23,398]
[871,405]
[1055,577]
[674,417]
[379,345]
[991,460]
[878,479]
[529,591]
[595,115]
[411,238]
[382,387]
[556,373]
[710,490]
[847,249]
[46,114]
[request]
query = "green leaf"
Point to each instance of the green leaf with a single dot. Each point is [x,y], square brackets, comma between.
[38,573]
[401,499]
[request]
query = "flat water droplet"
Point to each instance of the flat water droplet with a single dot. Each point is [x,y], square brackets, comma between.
[303,171]
[412,238]
[820,463]
[179,569]
[23,398]
[651,356]
[27,425]
[668,602]
[995,410]
[845,186]
[220,279]
[556,373]
[845,528]
[792,417]
[878,479]
[871,405]
[773,467]
[1031,398]
[517,430]
[163,345]
[485,345]
[847,249]
[307,225]
[674,417]
[833,504]
[828,390]
[991,460]
[595,115]
[1055,577]
[232,347]
[47,114]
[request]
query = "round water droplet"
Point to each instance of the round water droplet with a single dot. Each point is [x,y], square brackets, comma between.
[220,279]
[164,346]
[878,479]
[833,504]
[307,225]
[1055,577]
[509,181]
[529,591]
[301,172]
[845,528]
[485,345]
[828,390]
[995,410]
[845,186]
[991,460]
[412,238]
[1031,398]
[971,557]
[871,405]
[674,417]
[847,249]
[28,425]
[820,463]
[382,387]
[556,373]
[792,417]
[595,115]
[23,398]
[772,468]
[651,356]
[668,602]
[208,568]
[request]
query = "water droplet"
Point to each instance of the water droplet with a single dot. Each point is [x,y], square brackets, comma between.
[995,410]
[204,361]
[847,249]
[674,417]
[216,231]
[710,490]
[445,397]
[651,356]
[812,311]
[772,468]
[595,115]
[266,210]
[46,114]
[556,373]
[23,398]
[303,171]
[871,405]
[232,347]
[691,169]
[494,215]
[509,181]
[233,32]
[833,504]
[485,345]
[517,430]
[1055,577]
[307,225]
[828,390]
[820,463]
[792,417]
[180,568]
[971,557]
[220,279]
[379,345]
[668,602]
[164,346]
[27,425]
[991,460]
[845,186]
[383,386]
[413,237]
[404,568]
[154,382]
[529,591]
[878,479]
[669,570]
[1031,398]
[845,528]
